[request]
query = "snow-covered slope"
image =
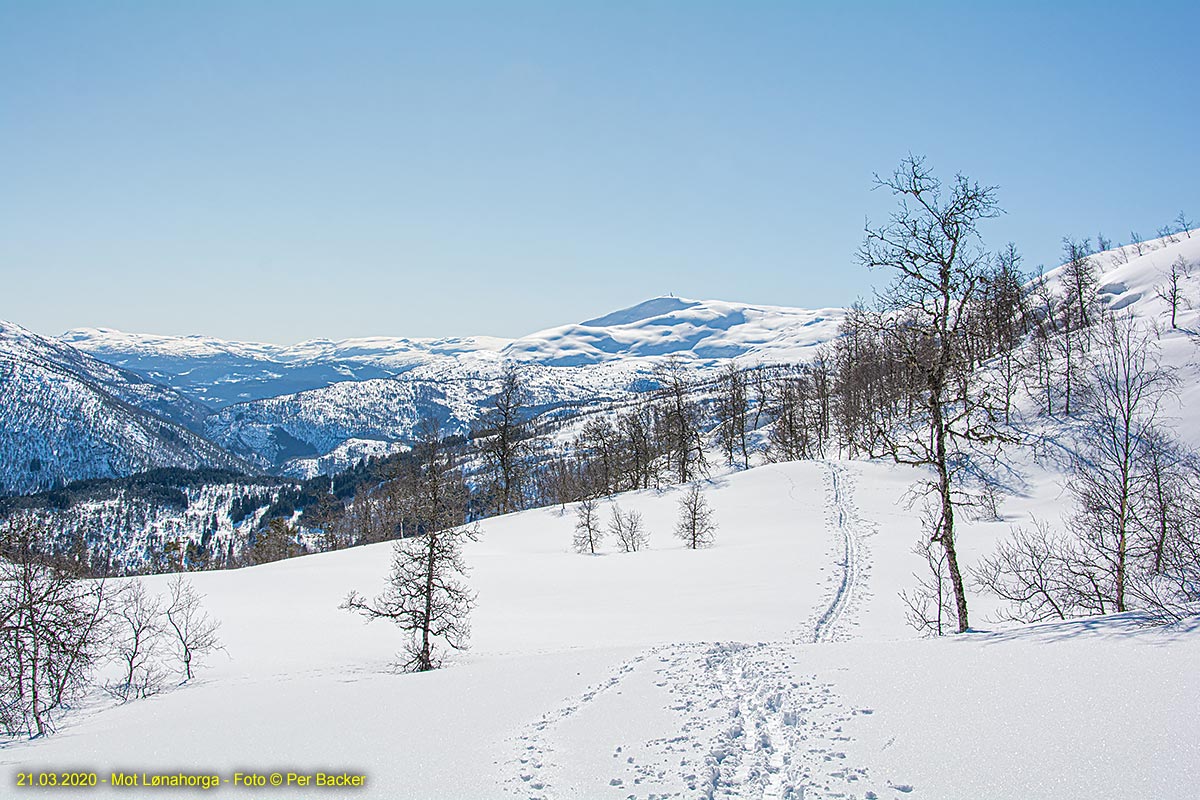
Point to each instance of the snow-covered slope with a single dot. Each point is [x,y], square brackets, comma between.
[703,331]
[65,415]
[345,455]
[775,664]
[1133,284]
[1129,281]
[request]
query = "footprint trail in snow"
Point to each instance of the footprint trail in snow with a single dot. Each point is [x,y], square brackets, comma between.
[739,720]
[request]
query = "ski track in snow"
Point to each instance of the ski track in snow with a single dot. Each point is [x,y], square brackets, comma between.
[747,722]
[849,530]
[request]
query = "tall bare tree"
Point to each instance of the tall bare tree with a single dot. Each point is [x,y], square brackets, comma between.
[1126,391]
[931,244]
[681,430]
[1183,224]
[192,631]
[137,642]
[733,421]
[504,440]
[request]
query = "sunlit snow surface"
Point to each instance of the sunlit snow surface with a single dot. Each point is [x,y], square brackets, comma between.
[775,662]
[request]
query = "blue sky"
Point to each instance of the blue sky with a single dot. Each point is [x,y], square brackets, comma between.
[290,170]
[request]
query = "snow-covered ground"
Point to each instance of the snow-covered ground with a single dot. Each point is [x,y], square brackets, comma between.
[775,664]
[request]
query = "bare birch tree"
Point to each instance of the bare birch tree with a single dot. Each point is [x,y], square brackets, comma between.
[627,529]
[1171,290]
[696,525]
[932,245]
[193,633]
[137,642]
[588,530]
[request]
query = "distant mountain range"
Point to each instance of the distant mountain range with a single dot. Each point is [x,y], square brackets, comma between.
[220,373]
[65,415]
[103,403]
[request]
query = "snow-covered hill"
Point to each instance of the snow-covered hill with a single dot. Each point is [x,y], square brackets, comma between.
[775,664]
[1135,284]
[65,416]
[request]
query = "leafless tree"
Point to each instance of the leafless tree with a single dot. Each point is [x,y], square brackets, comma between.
[426,594]
[1042,575]
[732,407]
[799,400]
[1080,279]
[627,529]
[193,633]
[1135,241]
[930,604]
[681,430]
[138,642]
[696,525]
[1171,291]
[1119,255]
[52,633]
[1183,224]
[932,245]
[588,532]
[504,440]
[1126,390]
[1169,476]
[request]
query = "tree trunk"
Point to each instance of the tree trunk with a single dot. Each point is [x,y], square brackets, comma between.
[947,518]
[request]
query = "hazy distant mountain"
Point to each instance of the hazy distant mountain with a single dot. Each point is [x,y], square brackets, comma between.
[221,373]
[65,415]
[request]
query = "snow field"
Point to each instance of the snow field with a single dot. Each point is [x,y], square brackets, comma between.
[775,664]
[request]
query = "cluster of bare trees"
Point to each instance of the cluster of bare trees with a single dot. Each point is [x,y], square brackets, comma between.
[52,626]
[153,637]
[696,525]
[57,629]
[1132,540]
[933,376]
[660,438]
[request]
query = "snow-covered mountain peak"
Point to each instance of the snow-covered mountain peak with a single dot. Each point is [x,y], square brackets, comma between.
[654,307]
[703,330]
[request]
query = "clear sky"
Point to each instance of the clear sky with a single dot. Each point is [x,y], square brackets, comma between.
[288,170]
